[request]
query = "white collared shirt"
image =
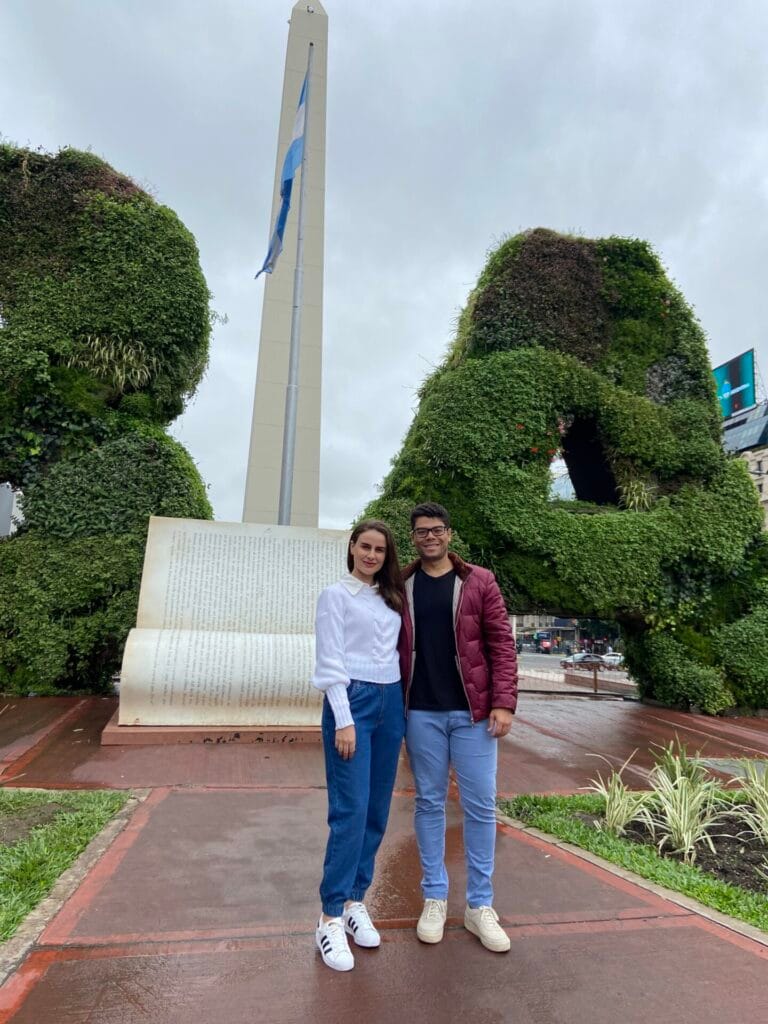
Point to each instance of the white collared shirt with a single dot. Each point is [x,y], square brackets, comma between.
[355,638]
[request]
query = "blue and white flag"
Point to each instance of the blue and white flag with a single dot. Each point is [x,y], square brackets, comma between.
[291,164]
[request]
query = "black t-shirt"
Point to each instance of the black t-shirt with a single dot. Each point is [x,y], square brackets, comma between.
[436,684]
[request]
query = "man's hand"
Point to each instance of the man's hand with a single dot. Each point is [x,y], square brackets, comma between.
[345,741]
[499,722]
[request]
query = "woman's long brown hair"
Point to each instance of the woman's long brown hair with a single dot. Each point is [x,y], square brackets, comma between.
[389,577]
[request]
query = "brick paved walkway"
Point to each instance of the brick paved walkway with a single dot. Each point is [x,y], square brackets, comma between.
[203,907]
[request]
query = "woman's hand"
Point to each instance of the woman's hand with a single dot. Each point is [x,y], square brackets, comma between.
[345,741]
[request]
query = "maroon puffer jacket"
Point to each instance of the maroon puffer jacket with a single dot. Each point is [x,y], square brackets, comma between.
[484,643]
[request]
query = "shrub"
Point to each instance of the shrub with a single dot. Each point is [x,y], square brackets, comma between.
[72,603]
[742,648]
[115,488]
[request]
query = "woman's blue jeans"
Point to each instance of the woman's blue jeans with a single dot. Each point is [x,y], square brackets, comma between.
[359,790]
[437,741]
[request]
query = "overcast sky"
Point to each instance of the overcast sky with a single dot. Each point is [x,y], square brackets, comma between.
[450,125]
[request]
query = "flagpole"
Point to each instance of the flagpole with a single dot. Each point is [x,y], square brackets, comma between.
[292,388]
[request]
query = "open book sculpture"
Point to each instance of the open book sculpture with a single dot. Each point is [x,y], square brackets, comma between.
[225,626]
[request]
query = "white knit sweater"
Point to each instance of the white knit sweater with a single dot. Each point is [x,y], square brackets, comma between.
[355,638]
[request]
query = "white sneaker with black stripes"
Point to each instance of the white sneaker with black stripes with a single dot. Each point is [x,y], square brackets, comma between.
[331,940]
[358,924]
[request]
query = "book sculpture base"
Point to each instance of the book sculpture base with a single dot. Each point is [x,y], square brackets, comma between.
[223,647]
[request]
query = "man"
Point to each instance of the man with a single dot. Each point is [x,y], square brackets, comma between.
[459,667]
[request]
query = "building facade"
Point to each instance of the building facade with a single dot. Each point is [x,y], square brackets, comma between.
[746,434]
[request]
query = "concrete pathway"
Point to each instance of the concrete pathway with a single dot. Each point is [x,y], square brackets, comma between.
[203,907]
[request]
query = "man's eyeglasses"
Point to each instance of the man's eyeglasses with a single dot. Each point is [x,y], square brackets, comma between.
[422,532]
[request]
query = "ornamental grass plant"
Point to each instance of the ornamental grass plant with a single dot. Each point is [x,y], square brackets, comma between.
[684,803]
[681,812]
[681,807]
[622,805]
[753,783]
[674,761]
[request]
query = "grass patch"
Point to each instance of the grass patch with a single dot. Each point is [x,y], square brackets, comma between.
[31,864]
[558,815]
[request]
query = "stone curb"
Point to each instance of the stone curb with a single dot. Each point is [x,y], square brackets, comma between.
[686,902]
[13,950]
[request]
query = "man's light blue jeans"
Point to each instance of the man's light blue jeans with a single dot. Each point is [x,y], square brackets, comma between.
[437,741]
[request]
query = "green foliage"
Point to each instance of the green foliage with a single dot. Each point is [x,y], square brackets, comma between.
[559,331]
[104,327]
[669,671]
[94,276]
[30,867]
[540,290]
[742,647]
[115,488]
[73,603]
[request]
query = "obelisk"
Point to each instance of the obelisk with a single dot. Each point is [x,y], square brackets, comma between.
[308,24]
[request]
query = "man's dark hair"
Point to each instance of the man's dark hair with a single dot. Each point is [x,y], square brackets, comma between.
[430,510]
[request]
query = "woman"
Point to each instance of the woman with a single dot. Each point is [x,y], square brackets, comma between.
[357,626]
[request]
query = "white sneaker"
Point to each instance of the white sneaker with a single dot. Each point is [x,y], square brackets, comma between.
[432,920]
[484,923]
[358,924]
[331,940]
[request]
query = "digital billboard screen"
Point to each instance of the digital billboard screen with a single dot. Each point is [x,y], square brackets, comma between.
[735,382]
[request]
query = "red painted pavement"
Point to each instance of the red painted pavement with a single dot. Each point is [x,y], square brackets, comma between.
[552,748]
[24,724]
[204,906]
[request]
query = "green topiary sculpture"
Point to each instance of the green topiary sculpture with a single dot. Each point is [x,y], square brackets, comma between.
[104,327]
[583,348]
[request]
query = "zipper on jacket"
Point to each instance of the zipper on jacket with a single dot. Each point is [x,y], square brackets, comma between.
[456,656]
[411,615]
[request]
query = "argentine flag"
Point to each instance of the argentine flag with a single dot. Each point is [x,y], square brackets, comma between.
[291,164]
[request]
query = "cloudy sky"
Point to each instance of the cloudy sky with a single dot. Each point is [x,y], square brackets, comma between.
[450,125]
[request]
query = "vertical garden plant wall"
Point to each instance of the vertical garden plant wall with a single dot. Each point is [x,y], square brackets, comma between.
[104,327]
[584,349]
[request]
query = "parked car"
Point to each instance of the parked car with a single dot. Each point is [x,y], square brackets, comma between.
[613,660]
[585,661]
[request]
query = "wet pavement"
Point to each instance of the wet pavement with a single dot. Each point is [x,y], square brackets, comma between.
[204,905]
[553,747]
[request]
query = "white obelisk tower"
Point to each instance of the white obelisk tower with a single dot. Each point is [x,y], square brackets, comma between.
[309,24]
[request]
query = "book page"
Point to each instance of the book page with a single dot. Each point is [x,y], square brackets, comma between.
[225,627]
[244,577]
[211,677]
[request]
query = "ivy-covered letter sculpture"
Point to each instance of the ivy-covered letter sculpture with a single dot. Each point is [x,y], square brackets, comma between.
[104,325]
[584,349]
